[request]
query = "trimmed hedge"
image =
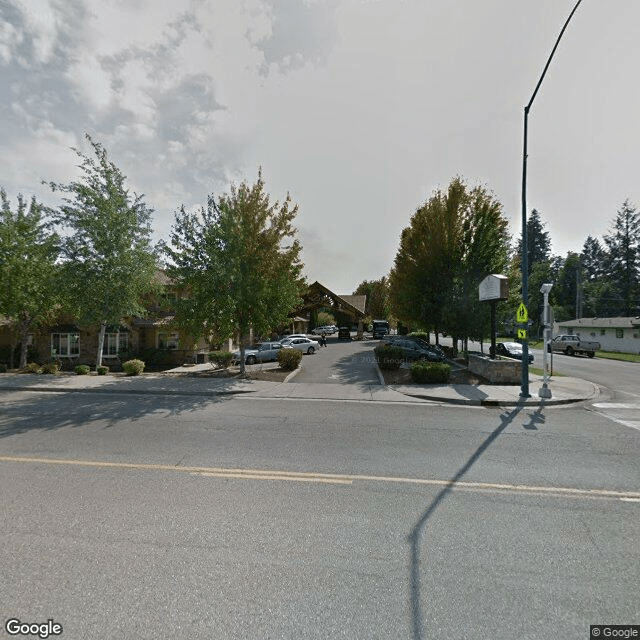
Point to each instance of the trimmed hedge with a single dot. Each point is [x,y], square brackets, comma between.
[102,371]
[289,359]
[133,367]
[82,369]
[388,357]
[430,372]
[221,359]
[3,367]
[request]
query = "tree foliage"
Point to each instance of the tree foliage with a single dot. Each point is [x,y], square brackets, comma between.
[538,241]
[623,259]
[457,238]
[109,264]
[239,260]
[28,252]
[377,292]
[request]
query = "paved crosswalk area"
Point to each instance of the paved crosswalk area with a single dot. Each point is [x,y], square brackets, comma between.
[624,413]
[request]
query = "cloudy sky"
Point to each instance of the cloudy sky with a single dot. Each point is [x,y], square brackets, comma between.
[358,108]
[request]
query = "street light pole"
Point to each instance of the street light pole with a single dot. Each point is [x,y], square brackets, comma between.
[524,387]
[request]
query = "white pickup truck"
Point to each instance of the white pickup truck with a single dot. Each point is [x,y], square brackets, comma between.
[570,344]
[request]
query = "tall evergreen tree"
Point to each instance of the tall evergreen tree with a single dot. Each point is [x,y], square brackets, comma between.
[28,252]
[592,259]
[109,265]
[623,259]
[538,240]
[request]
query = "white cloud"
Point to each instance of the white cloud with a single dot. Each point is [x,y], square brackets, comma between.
[360,109]
[10,39]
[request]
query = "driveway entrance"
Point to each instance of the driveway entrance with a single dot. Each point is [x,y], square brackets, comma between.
[340,363]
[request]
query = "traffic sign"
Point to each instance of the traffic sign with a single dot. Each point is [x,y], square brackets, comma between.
[522,315]
[522,334]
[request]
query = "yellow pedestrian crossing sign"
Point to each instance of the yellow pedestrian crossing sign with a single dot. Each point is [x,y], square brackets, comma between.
[522,315]
[522,334]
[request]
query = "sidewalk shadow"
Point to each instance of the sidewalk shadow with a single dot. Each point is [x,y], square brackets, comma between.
[415,537]
[107,405]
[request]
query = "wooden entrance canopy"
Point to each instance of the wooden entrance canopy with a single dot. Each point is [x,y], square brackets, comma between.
[317,296]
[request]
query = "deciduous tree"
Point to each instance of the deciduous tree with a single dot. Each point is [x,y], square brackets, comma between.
[109,264]
[454,240]
[239,259]
[28,252]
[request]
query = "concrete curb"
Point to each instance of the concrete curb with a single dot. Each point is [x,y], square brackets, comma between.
[293,374]
[134,392]
[530,402]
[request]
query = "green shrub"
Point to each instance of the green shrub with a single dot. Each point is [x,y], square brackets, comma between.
[430,372]
[155,358]
[221,359]
[102,371]
[133,367]
[32,367]
[289,359]
[389,357]
[51,368]
[3,368]
[82,369]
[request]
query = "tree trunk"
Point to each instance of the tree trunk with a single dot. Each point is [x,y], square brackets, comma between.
[242,349]
[14,343]
[103,330]
[23,351]
[23,328]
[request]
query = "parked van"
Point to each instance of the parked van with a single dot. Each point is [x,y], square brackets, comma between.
[380,328]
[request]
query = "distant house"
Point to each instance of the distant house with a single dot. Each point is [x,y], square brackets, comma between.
[614,334]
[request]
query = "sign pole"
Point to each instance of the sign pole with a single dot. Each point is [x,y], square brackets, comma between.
[492,352]
[544,391]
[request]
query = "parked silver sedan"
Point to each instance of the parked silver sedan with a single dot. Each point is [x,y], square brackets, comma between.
[301,344]
[266,352]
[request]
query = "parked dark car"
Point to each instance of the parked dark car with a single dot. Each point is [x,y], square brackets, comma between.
[415,348]
[344,333]
[511,350]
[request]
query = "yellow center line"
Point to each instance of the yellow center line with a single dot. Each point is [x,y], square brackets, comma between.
[335,478]
[273,476]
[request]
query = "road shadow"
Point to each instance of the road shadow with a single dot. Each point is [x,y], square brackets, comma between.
[107,405]
[416,535]
[357,368]
[535,418]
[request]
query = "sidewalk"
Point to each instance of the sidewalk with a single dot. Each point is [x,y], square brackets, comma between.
[563,390]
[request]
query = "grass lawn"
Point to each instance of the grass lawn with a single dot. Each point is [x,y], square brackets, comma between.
[540,372]
[611,355]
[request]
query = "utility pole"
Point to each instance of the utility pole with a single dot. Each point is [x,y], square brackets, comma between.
[524,388]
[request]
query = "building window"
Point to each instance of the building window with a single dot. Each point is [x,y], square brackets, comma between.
[168,341]
[65,345]
[619,333]
[114,343]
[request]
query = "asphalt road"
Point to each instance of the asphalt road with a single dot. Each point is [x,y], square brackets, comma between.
[340,362]
[180,516]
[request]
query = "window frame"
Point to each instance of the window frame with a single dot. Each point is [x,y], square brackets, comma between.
[72,344]
[118,335]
